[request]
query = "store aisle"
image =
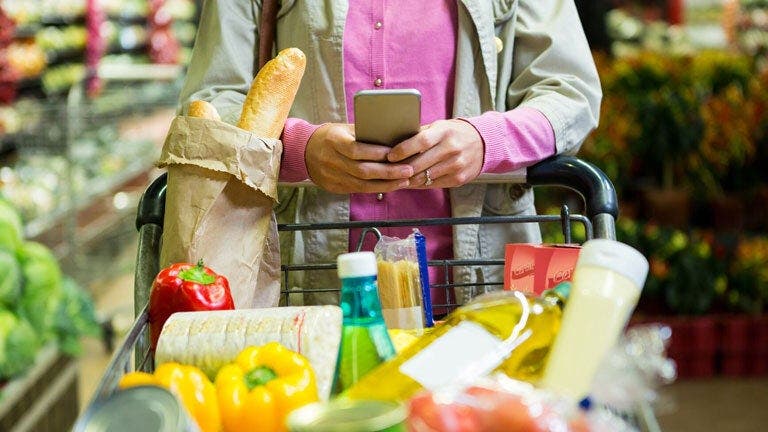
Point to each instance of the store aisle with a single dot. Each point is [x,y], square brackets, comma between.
[113,298]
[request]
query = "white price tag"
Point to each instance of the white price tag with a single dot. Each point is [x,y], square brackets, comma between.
[454,355]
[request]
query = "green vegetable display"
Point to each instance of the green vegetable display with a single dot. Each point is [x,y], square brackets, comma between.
[42,291]
[75,317]
[18,344]
[38,304]
[10,279]
[11,229]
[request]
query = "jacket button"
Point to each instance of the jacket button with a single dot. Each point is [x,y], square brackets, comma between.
[499,44]
[377,82]
[380,196]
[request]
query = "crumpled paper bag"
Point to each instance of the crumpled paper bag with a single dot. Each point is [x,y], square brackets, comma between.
[222,186]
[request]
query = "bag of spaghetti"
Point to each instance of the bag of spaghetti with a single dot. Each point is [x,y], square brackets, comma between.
[404,281]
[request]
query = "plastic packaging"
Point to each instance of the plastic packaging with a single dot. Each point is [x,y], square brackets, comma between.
[607,281]
[634,369]
[403,283]
[498,403]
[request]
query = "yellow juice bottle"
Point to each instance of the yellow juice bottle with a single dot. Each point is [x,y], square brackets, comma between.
[506,330]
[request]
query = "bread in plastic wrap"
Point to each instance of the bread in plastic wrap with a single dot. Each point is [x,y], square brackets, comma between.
[211,339]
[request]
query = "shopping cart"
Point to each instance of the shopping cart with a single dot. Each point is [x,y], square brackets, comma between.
[594,187]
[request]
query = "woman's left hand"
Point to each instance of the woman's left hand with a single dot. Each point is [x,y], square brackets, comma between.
[446,153]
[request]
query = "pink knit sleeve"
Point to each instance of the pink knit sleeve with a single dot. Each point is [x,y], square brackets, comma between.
[514,139]
[296,134]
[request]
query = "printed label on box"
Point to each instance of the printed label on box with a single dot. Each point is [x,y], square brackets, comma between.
[535,268]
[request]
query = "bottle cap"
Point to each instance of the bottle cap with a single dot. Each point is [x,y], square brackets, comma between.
[357,264]
[563,289]
[616,256]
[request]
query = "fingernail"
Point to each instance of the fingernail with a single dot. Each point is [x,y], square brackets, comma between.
[404,184]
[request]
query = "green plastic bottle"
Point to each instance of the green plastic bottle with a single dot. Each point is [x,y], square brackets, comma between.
[365,342]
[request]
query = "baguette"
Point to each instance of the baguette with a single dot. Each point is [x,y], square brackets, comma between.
[203,109]
[272,93]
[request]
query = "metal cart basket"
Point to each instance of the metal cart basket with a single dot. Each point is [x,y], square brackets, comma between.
[588,181]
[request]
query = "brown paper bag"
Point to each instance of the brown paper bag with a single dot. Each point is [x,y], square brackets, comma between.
[222,186]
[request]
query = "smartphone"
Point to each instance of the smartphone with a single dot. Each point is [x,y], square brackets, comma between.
[387,117]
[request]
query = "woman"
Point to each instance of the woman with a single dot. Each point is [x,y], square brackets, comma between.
[504,85]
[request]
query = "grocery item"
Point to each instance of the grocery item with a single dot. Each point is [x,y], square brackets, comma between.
[262,386]
[403,338]
[365,342]
[142,408]
[505,330]
[607,281]
[349,415]
[18,344]
[535,268]
[494,404]
[195,391]
[400,293]
[271,94]
[212,339]
[222,186]
[183,287]
[203,109]
[403,283]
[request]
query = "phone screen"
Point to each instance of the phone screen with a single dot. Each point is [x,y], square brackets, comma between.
[387,117]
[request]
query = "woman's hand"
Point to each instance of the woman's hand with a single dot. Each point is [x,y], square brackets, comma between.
[447,153]
[339,164]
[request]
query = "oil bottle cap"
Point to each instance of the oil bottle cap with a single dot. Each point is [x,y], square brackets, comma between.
[616,256]
[563,289]
[356,264]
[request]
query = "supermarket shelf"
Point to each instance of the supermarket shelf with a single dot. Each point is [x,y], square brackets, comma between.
[127,19]
[61,20]
[26,31]
[97,188]
[44,398]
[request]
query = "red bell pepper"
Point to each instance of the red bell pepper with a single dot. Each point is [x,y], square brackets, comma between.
[185,287]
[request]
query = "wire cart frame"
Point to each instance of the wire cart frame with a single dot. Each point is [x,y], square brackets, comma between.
[596,189]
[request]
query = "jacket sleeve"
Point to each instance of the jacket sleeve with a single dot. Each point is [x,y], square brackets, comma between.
[553,71]
[224,57]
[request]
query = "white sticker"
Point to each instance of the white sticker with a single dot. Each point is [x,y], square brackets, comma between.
[461,353]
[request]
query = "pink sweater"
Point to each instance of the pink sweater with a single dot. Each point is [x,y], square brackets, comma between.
[384,40]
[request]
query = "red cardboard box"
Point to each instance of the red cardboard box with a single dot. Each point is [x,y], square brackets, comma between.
[534,268]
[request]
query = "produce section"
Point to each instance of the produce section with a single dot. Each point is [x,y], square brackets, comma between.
[43,316]
[73,158]
[67,138]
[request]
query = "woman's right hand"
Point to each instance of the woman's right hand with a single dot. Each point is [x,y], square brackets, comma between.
[339,164]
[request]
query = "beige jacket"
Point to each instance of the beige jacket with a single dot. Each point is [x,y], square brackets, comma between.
[544,62]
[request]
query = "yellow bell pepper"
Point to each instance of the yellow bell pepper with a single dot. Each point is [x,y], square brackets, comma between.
[190,385]
[263,384]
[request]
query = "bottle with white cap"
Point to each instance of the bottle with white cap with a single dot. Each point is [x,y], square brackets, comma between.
[365,342]
[606,286]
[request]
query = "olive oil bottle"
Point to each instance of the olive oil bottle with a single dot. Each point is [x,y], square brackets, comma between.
[507,331]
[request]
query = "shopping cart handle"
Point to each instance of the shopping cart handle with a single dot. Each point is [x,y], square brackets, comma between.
[151,209]
[583,177]
[566,171]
